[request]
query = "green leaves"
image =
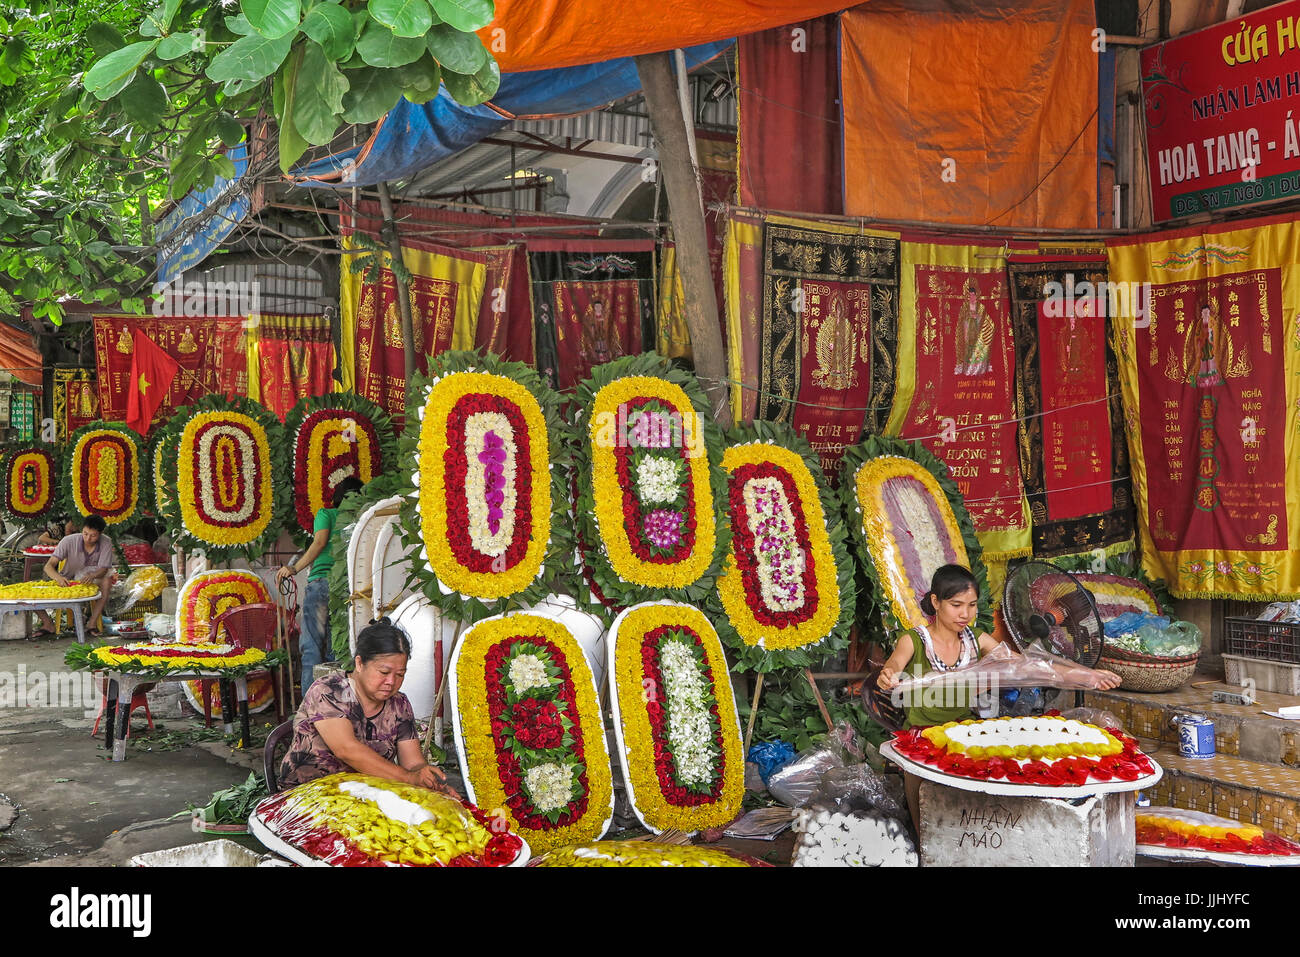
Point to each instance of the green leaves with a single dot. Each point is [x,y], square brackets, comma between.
[420,80]
[318,102]
[331,26]
[252,57]
[179,44]
[476,89]
[292,144]
[272,19]
[465,15]
[406,18]
[104,38]
[379,46]
[111,75]
[144,100]
[159,20]
[372,93]
[457,52]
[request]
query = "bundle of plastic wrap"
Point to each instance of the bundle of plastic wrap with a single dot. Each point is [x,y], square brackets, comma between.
[851,839]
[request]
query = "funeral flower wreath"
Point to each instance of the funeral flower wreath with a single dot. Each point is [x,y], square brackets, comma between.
[102,461]
[30,472]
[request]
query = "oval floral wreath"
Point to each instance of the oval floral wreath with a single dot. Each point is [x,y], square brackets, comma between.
[907,518]
[162,449]
[490,513]
[333,437]
[529,731]
[230,495]
[650,492]
[102,462]
[675,718]
[206,595]
[29,482]
[786,596]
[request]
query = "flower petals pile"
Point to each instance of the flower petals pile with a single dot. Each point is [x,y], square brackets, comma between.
[29,482]
[229,496]
[45,590]
[649,489]
[788,583]
[206,595]
[908,519]
[642,854]
[1067,760]
[675,718]
[1194,830]
[356,820]
[175,657]
[529,729]
[490,481]
[334,437]
[103,469]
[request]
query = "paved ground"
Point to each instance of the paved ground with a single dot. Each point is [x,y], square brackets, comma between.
[74,807]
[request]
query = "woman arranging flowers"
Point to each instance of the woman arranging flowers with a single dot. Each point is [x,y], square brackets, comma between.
[360,721]
[87,557]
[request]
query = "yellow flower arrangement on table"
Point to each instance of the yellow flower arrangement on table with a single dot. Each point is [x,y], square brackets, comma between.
[649,488]
[47,591]
[786,594]
[907,517]
[103,469]
[491,502]
[176,657]
[230,494]
[1176,831]
[357,820]
[29,489]
[641,854]
[675,718]
[529,730]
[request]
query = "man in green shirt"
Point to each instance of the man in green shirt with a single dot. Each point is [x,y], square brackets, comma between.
[314,647]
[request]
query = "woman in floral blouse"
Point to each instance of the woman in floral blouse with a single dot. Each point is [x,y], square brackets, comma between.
[360,720]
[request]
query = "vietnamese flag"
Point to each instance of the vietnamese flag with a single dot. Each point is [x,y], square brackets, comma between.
[152,371]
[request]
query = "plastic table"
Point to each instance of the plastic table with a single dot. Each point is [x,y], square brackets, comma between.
[77,606]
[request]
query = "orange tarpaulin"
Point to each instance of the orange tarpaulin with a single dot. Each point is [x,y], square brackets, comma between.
[543,34]
[971,113]
[19,356]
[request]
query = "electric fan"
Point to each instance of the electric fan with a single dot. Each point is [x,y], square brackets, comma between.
[1044,603]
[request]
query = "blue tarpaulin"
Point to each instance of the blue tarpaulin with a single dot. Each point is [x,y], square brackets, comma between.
[411,138]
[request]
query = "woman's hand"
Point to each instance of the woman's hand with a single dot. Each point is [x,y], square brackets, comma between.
[888,679]
[1107,680]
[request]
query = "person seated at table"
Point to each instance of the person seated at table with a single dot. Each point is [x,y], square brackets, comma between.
[86,557]
[360,721]
[57,531]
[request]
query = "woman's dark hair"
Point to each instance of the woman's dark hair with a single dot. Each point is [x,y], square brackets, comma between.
[94,521]
[381,637]
[345,488]
[948,581]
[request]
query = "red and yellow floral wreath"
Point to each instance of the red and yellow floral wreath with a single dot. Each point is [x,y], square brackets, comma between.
[29,490]
[493,730]
[206,595]
[103,468]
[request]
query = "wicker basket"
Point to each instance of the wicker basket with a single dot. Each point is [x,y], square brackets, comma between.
[1140,672]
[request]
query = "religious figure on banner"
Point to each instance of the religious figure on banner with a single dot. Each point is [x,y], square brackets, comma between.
[598,339]
[188,346]
[836,349]
[1076,351]
[975,331]
[124,343]
[1209,355]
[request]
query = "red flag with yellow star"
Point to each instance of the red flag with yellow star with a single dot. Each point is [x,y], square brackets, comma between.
[152,371]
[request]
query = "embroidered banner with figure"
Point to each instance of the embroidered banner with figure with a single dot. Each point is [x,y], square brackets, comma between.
[827,331]
[955,382]
[1073,456]
[1211,378]
[290,357]
[211,351]
[505,318]
[446,293]
[593,302]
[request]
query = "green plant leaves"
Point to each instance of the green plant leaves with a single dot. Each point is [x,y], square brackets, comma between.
[179,44]
[331,26]
[112,74]
[159,20]
[457,52]
[292,144]
[406,18]
[104,38]
[372,92]
[229,129]
[250,58]
[476,89]
[144,100]
[272,19]
[466,15]
[421,80]
[379,46]
[318,102]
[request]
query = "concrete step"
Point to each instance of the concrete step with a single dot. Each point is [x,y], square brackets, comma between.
[1267,795]
[1240,731]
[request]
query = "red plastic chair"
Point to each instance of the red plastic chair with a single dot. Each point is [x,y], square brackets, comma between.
[247,626]
[139,700]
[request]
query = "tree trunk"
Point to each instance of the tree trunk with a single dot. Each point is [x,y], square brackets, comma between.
[686,213]
[403,290]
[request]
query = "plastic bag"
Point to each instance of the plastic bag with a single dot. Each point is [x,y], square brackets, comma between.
[859,787]
[1000,668]
[1094,716]
[1133,620]
[771,756]
[1281,611]
[799,781]
[1177,640]
[160,626]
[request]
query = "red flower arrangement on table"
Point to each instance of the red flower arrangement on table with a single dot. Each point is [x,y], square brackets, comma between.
[1053,765]
[1180,829]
